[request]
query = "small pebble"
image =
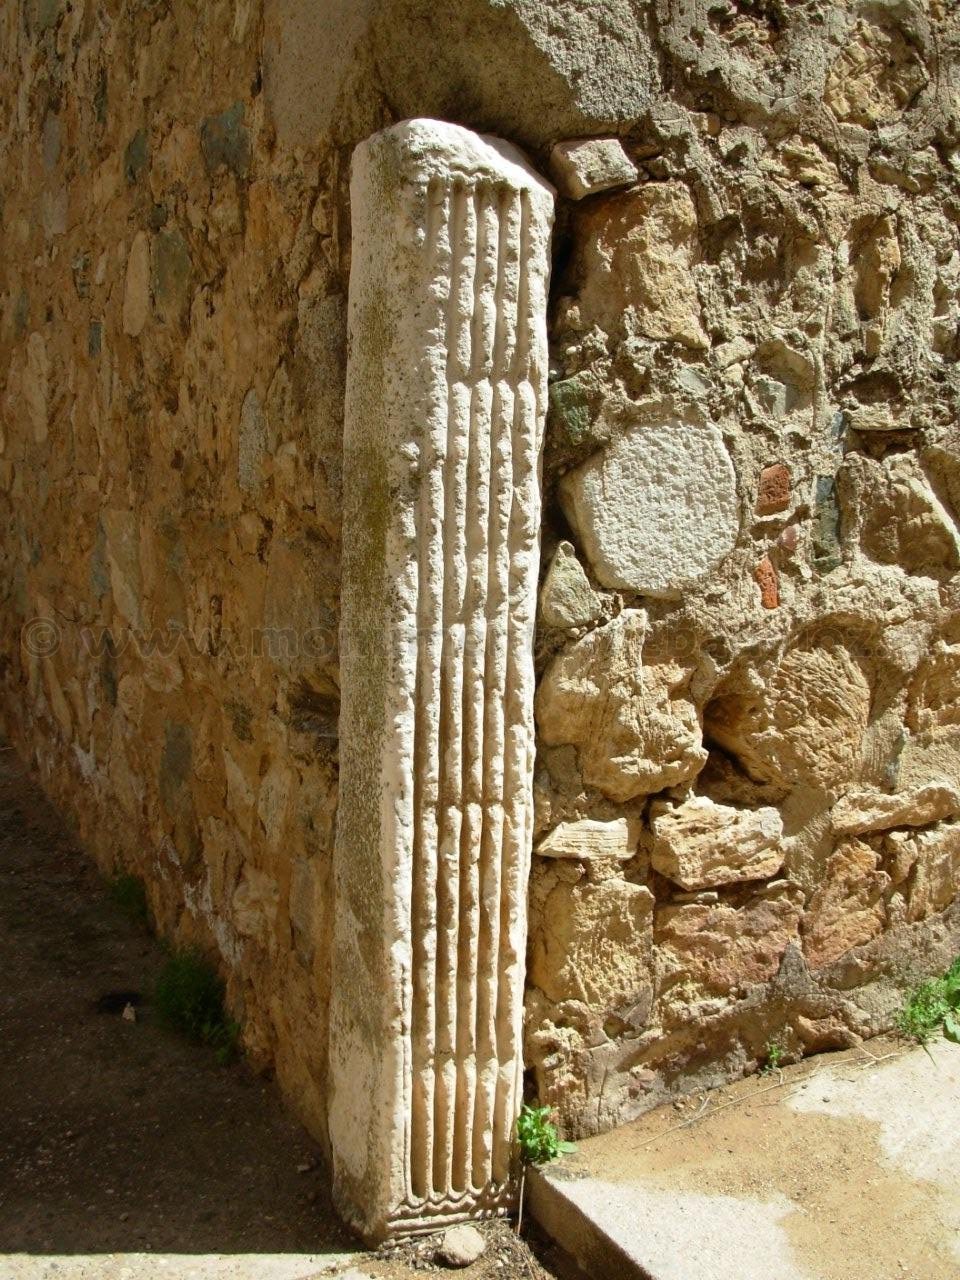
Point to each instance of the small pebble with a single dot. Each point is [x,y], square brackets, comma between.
[461,1246]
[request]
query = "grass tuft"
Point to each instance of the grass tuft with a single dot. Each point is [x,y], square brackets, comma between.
[128,893]
[932,1007]
[189,997]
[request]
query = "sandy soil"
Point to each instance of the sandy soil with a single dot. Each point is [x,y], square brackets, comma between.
[862,1146]
[119,1137]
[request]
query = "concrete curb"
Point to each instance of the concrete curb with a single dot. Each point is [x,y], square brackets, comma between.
[583,1238]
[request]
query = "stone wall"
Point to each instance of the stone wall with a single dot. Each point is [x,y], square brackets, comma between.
[748,626]
[748,651]
[172,371]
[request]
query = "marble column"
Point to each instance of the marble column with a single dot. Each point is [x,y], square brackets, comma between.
[446,394]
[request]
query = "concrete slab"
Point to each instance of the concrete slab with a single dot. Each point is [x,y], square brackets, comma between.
[844,1167]
[169,1266]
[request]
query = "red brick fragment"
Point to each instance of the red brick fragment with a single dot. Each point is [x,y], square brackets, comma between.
[769,583]
[773,493]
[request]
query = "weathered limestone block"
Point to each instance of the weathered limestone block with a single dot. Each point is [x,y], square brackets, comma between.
[626,711]
[876,417]
[251,443]
[804,163]
[171,276]
[940,458]
[255,904]
[136,289]
[902,521]
[876,75]
[860,812]
[847,909]
[59,705]
[588,839]
[638,251]
[592,943]
[657,509]
[877,259]
[587,166]
[297,620]
[123,559]
[36,385]
[934,698]
[304,909]
[566,598]
[699,844]
[446,393]
[805,724]
[127,783]
[712,947]
[554,1052]
[273,801]
[929,862]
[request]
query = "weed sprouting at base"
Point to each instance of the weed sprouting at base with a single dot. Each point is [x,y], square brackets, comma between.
[931,1007]
[538,1137]
[775,1056]
[129,894]
[189,997]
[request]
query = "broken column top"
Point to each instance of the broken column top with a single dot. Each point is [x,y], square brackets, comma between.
[424,149]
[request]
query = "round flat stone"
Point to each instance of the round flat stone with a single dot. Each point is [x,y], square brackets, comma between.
[657,509]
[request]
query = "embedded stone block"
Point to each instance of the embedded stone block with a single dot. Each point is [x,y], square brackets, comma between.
[626,706]
[587,166]
[592,943]
[657,509]
[862,812]
[768,581]
[638,251]
[773,491]
[806,724]
[700,844]
[445,406]
[847,909]
[709,948]
[588,839]
[929,862]
[136,288]
[567,599]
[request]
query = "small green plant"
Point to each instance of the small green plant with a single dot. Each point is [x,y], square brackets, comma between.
[189,997]
[538,1137]
[931,1007]
[774,1057]
[128,893]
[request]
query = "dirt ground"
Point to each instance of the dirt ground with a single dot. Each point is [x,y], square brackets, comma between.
[843,1167]
[121,1138]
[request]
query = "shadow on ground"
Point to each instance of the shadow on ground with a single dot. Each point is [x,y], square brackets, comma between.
[116,1136]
